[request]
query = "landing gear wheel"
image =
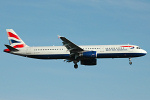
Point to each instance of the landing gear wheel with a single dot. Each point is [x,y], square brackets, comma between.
[75,66]
[130,63]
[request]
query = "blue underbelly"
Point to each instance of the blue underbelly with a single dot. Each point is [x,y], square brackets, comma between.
[99,55]
[52,56]
[119,55]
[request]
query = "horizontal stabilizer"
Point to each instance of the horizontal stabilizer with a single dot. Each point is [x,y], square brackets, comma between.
[11,48]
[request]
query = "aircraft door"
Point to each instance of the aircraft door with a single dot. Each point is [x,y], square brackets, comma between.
[28,51]
[101,49]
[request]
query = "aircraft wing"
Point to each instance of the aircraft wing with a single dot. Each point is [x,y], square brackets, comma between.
[73,48]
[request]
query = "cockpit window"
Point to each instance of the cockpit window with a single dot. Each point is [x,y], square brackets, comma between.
[138,47]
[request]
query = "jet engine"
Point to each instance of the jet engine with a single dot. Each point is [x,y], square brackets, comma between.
[89,62]
[89,54]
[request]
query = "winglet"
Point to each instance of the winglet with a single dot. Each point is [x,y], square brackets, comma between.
[58,36]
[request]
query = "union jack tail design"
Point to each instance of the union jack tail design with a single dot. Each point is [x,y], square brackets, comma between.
[14,40]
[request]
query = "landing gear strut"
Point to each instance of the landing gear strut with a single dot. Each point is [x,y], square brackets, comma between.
[75,64]
[130,62]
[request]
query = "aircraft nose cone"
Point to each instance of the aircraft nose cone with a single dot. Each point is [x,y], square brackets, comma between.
[144,52]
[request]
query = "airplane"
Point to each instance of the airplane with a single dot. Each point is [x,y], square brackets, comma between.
[70,52]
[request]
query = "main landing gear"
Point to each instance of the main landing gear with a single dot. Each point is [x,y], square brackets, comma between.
[75,64]
[130,62]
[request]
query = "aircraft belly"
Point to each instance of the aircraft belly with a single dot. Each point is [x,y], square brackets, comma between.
[50,56]
[119,55]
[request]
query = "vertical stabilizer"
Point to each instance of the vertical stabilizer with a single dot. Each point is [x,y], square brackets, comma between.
[14,40]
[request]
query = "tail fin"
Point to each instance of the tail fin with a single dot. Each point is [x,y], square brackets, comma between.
[14,40]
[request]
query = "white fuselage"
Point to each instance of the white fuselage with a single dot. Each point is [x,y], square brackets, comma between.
[103,51]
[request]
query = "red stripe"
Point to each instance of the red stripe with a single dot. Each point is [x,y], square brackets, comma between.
[19,46]
[13,35]
[127,46]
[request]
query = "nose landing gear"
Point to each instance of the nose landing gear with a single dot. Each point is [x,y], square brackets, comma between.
[130,62]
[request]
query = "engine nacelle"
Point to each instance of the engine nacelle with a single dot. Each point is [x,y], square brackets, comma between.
[89,62]
[89,54]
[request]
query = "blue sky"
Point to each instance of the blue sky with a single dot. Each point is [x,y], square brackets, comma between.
[84,22]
